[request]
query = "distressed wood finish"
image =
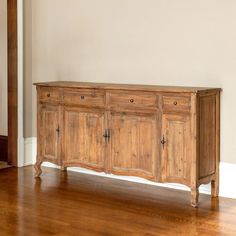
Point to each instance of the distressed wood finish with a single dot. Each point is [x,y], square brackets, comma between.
[49,95]
[49,133]
[207,134]
[84,97]
[130,154]
[49,127]
[131,99]
[165,134]
[175,156]
[176,103]
[83,132]
[215,181]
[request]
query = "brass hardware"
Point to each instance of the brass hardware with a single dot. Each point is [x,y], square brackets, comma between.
[82,97]
[48,95]
[107,134]
[58,130]
[175,103]
[163,141]
[131,100]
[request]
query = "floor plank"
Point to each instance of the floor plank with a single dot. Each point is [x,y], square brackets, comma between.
[69,203]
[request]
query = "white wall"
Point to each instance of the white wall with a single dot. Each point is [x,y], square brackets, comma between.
[166,42]
[3,67]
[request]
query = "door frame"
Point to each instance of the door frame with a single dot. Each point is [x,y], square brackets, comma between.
[15,82]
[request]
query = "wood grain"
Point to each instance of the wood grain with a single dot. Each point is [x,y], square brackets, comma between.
[69,203]
[125,87]
[215,181]
[194,146]
[130,99]
[48,135]
[207,160]
[176,103]
[84,97]
[12,81]
[159,135]
[47,94]
[84,142]
[176,151]
[133,144]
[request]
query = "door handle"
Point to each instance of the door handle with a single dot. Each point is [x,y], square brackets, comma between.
[163,142]
[107,134]
[58,130]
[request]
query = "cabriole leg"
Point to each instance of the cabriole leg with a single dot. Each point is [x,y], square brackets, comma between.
[194,197]
[215,188]
[63,168]
[38,170]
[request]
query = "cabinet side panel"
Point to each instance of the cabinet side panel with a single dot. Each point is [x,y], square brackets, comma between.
[207,132]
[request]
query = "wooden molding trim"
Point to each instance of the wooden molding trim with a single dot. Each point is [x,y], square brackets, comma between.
[3,148]
[12,81]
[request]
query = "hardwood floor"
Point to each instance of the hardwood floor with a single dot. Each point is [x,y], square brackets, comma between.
[69,203]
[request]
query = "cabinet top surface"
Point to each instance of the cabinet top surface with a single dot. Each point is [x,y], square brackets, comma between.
[137,87]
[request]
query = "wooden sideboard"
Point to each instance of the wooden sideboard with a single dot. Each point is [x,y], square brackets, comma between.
[160,133]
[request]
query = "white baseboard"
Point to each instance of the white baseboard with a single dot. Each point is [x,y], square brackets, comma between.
[227,174]
[30,151]
[20,151]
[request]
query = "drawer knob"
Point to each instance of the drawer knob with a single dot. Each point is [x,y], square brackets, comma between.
[48,95]
[82,97]
[131,100]
[175,103]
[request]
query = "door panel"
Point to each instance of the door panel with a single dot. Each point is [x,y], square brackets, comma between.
[176,150]
[84,142]
[133,144]
[48,130]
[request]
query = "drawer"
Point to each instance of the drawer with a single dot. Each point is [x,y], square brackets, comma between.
[47,94]
[84,97]
[176,103]
[133,99]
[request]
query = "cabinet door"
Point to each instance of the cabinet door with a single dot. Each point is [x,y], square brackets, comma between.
[84,141]
[176,147]
[48,132]
[133,144]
